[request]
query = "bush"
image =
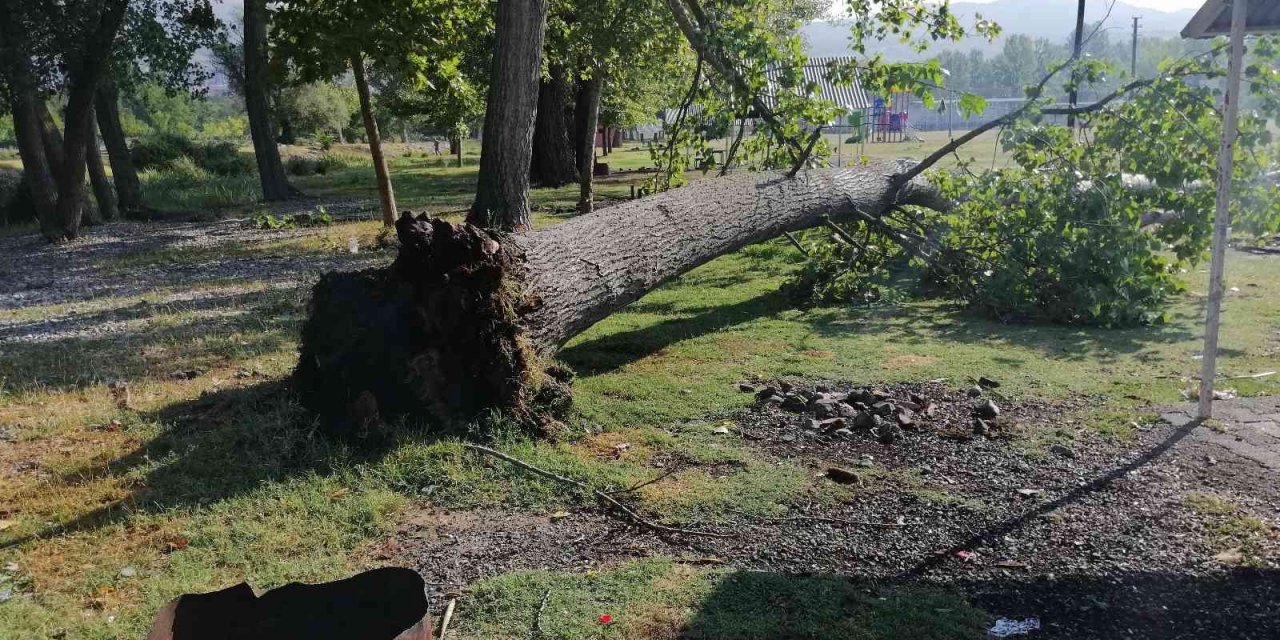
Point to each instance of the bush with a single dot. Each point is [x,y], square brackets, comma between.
[837,271]
[222,158]
[15,197]
[302,165]
[159,150]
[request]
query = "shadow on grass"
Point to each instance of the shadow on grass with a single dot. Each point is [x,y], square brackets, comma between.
[613,351]
[748,605]
[219,446]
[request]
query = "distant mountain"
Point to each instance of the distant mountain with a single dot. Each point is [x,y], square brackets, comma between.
[1054,19]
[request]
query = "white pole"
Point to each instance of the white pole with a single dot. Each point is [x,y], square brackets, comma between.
[1222,213]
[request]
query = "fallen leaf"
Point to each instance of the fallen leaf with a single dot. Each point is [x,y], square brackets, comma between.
[339,494]
[7,524]
[1230,557]
[559,515]
[177,543]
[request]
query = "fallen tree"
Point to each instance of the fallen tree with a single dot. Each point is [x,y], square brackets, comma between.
[466,320]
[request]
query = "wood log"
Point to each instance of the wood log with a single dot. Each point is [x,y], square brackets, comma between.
[467,320]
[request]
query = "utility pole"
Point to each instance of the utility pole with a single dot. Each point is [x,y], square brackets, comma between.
[1075,58]
[1133,63]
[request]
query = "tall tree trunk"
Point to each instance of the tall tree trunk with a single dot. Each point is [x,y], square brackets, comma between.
[52,137]
[24,105]
[554,163]
[587,114]
[502,194]
[37,171]
[123,173]
[275,184]
[86,68]
[102,192]
[455,147]
[386,195]
[463,320]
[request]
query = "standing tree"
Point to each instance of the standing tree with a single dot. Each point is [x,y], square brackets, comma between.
[417,38]
[80,36]
[275,184]
[553,155]
[502,195]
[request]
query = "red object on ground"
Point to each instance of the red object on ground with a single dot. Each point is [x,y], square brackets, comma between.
[606,619]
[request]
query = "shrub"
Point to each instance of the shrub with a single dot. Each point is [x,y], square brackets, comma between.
[302,165]
[159,150]
[325,140]
[222,158]
[836,270]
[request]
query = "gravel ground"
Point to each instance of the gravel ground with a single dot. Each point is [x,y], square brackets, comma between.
[35,273]
[1096,539]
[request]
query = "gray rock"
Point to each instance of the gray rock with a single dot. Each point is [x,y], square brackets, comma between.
[980,427]
[1062,451]
[987,410]
[746,388]
[888,433]
[974,391]
[905,417]
[765,393]
[988,383]
[884,408]
[866,420]
[846,411]
[843,434]
[842,476]
[793,402]
[866,461]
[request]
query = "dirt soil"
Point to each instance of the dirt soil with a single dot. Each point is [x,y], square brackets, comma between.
[1098,539]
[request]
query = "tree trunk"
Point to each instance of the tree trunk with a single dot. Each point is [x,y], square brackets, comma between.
[275,184]
[502,194]
[52,137]
[554,163]
[587,115]
[102,192]
[123,173]
[464,318]
[37,171]
[386,195]
[86,68]
[455,147]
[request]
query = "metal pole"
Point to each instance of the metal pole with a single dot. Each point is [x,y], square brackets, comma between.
[1075,57]
[1222,211]
[1133,61]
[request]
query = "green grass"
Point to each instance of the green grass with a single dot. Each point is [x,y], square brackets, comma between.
[220,478]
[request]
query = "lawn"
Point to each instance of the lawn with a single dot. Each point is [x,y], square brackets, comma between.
[210,473]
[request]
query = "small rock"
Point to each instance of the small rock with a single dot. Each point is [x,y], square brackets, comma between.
[785,386]
[765,393]
[884,408]
[988,383]
[879,395]
[832,424]
[1211,461]
[846,411]
[980,427]
[128,572]
[1229,557]
[185,374]
[1021,467]
[842,476]
[866,461]
[888,433]
[823,408]
[866,420]
[822,388]
[774,401]
[905,417]
[987,410]
[6,595]
[843,434]
[720,430]
[787,438]
[1062,451]
[793,402]
[974,391]
[1030,493]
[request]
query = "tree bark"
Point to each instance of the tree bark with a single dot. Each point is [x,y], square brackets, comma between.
[275,184]
[463,320]
[386,194]
[87,67]
[102,192]
[502,194]
[554,161]
[52,137]
[123,173]
[587,114]
[37,171]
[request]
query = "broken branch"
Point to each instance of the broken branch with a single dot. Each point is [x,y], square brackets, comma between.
[634,517]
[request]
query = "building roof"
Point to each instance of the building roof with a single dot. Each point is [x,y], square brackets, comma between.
[850,95]
[1214,18]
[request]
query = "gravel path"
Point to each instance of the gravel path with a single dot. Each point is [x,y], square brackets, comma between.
[86,275]
[1098,540]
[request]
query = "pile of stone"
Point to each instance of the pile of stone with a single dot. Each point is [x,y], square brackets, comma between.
[841,414]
